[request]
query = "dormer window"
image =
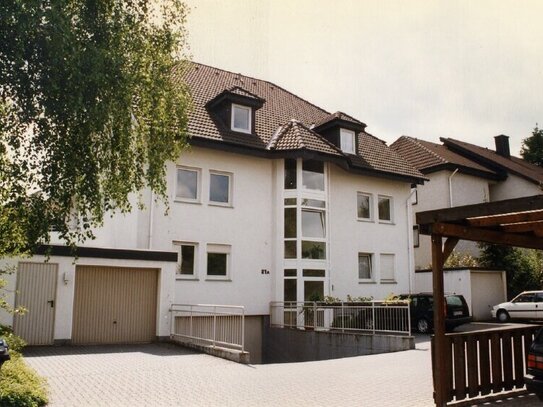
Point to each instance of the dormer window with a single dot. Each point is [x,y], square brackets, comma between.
[241,118]
[347,141]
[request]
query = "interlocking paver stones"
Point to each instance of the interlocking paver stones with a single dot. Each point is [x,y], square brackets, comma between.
[167,375]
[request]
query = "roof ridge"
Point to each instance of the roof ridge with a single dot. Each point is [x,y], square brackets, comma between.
[276,136]
[323,139]
[294,124]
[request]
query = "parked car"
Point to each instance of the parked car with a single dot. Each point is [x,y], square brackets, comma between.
[534,376]
[422,311]
[526,305]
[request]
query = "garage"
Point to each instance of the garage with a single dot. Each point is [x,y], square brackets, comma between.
[114,305]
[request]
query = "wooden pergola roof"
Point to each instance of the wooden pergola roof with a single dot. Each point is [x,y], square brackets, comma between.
[513,222]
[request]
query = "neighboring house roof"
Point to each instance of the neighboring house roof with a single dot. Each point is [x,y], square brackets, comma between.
[430,157]
[279,108]
[495,161]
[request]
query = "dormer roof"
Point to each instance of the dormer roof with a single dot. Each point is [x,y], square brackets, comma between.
[339,119]
[236,94]
[295,136]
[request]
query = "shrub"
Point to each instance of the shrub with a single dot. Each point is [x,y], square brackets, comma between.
[20,385]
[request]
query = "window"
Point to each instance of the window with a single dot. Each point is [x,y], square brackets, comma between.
[188,187]
[219,188]
[385,209]
[313,174]
[364,266]
[186,266]
[218,258]
[241,118]
[313,223]
[290,173]
[387,268]
[313,250]
[364,203]
[416,236]
[347,141]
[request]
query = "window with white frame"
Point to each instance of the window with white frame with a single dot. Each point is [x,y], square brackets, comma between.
[218,261]
[187,255]
[364,267]
[241,118]
[387,268]
[385,208]
[363,204]
[347,141]
[220,188]
[188,184]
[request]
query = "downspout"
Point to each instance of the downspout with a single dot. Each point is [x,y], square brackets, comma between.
[450,188]
[410,249]
[151,213]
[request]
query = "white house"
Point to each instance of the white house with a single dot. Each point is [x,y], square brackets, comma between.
[276,200]
[461,173]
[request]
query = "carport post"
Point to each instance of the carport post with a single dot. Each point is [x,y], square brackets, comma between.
[439,321]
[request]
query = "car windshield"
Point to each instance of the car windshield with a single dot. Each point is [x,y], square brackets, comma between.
[454,300]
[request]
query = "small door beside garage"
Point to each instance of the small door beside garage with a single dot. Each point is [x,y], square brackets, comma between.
[36,289]
[114,305]
[487,290]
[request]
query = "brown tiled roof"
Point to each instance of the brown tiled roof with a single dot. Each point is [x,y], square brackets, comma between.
[426,156]
[295,136]
[492,159]
[279,108]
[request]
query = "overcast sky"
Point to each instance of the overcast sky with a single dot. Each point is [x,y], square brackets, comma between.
[464,69]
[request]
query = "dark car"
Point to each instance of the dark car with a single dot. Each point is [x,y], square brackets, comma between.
[534,376]
[422,311]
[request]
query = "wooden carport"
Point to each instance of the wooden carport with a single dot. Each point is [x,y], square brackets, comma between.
[514,222]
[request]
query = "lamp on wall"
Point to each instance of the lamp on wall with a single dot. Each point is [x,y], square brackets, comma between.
[66,277]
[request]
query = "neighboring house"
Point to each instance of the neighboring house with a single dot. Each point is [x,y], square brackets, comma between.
[276,200]
[461,173]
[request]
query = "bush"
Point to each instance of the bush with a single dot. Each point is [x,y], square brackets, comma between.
[20,385]
[15,343]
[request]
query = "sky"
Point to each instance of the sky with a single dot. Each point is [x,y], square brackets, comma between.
[469,70]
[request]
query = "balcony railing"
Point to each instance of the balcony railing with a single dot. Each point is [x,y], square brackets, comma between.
[208,324]
[368,317]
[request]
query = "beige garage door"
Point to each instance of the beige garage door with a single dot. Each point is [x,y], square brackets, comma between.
[114,305]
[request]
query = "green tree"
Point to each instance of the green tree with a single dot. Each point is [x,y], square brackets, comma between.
[532,147]
[89,113]
[523,267]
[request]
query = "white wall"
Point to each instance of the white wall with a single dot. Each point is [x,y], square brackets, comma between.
[65,289]
[246,227]
[434,194]
[349,236]
[513,187]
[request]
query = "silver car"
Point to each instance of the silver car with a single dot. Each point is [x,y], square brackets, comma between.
[526,305]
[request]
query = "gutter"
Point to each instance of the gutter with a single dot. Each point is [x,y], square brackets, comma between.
[410,248]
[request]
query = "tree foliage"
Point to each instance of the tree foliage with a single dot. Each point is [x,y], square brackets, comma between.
[460,259]
[532,147]
[523,267]
[88,111]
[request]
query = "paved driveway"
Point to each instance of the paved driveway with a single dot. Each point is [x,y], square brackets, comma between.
[167,375]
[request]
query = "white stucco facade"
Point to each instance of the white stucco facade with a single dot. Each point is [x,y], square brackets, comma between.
[442,187]
[250,230]
[513,187]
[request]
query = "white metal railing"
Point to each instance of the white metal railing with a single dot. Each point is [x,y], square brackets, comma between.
[209,324]
[367,317]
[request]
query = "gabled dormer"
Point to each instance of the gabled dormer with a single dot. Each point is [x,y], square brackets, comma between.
[235,109]
[341,130]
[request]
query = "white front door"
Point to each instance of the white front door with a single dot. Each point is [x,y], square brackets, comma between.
[36,289]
